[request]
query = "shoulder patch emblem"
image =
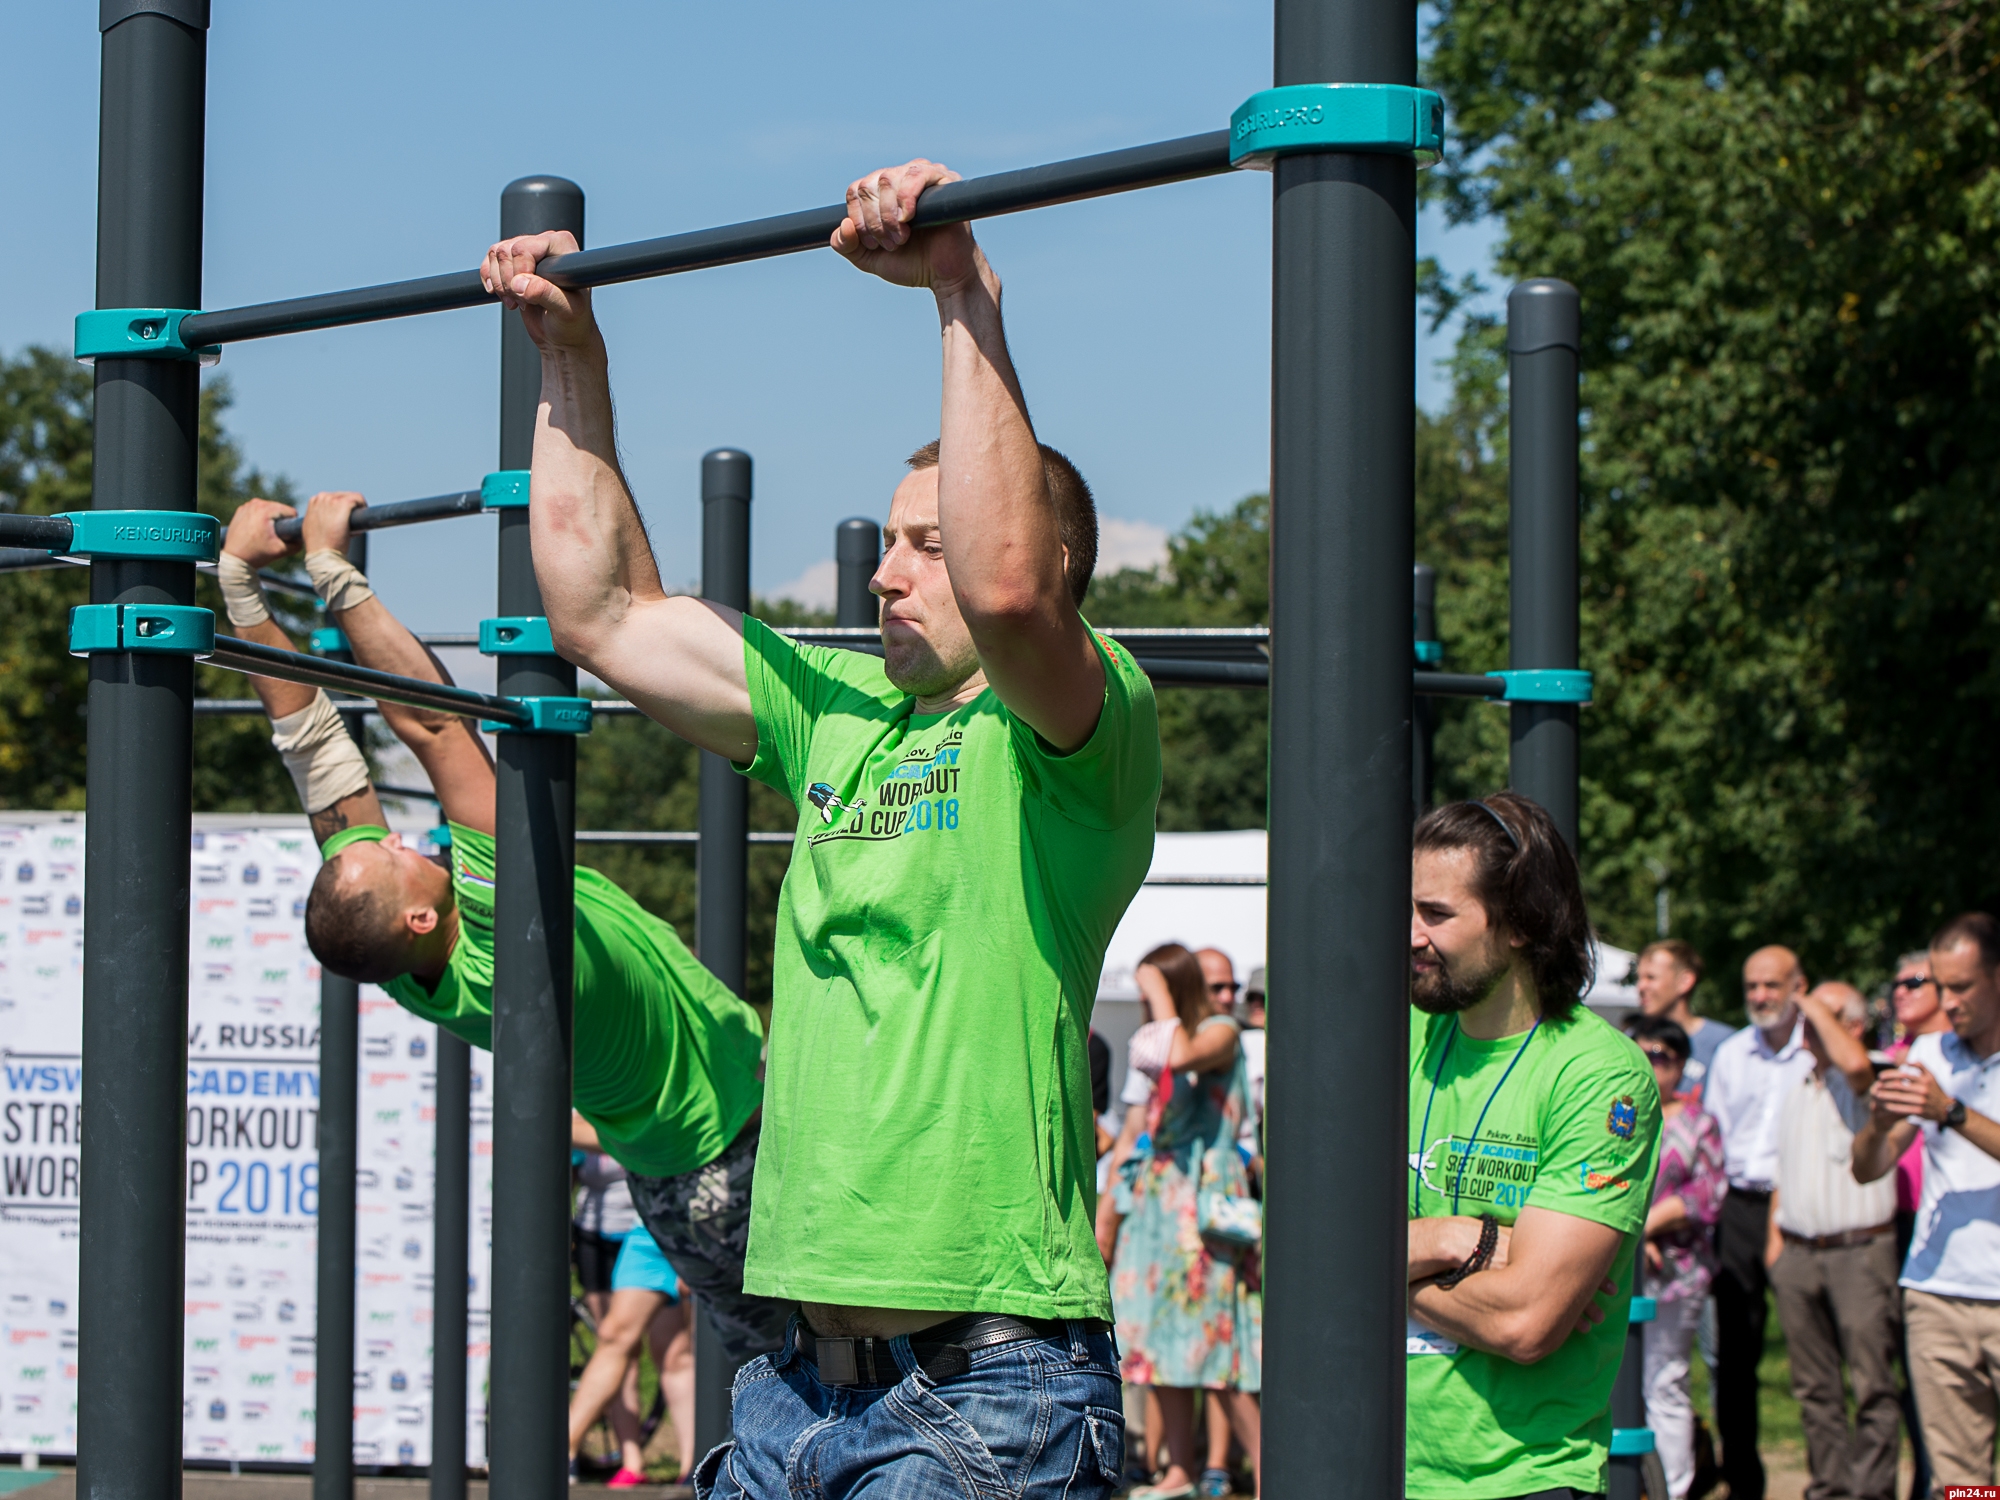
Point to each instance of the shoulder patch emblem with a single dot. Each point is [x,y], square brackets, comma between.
[1624,1117]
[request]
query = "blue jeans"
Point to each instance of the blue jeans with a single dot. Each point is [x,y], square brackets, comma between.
[1035,1420]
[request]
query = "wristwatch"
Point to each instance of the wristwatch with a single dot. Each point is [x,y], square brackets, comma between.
[1954,1118]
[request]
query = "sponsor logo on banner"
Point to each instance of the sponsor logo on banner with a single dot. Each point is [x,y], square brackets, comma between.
[253,1174]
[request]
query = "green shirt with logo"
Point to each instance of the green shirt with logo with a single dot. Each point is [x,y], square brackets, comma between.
[1573,1128]
[928,1140]
[666,1057]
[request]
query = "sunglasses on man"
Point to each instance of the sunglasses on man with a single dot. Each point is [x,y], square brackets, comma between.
[1662,1057]
[1914,982]
[1223,986]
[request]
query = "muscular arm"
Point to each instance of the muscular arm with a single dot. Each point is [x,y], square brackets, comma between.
[1556,1264]
[996,519]
[252,538]
[445,745]
[680,659]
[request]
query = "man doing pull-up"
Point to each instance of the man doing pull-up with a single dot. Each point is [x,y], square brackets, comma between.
[975,811]
[666,1064]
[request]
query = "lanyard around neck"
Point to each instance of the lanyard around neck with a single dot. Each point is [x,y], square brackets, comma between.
[1423,1135]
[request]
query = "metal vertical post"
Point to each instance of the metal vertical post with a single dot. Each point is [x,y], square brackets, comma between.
[451,1238]
[139,765]
[1544,330]
[857,552]
[1423,712]
[534,962]
[1343,517]
[339,1148]
[1631,1441]
[722,866]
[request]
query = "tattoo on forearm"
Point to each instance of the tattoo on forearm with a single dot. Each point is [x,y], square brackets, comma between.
[327,822]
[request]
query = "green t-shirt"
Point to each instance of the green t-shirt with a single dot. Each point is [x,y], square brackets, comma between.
[1575,1129]
[928,1140]
[665,1056]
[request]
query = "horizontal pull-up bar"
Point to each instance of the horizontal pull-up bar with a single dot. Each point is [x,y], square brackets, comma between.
[980,198]
[1459,685]
[409,692]
[397,513]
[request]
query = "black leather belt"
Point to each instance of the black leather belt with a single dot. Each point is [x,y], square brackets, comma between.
[942,1350]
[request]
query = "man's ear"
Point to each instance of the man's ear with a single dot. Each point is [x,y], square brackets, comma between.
[422,920]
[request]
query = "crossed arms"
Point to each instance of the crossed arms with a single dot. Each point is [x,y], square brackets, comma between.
[1541,1285]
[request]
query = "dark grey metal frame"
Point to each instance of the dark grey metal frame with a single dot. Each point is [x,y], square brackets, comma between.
[140,760]
[1343,280]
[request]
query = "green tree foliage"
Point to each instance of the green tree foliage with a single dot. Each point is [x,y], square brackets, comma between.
[1781,219]
[45,437]
[1218,572]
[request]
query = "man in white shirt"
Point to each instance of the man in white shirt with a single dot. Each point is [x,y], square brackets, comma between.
[1752,1073]
[1668,972]
[1948,1089]
[1832,1259]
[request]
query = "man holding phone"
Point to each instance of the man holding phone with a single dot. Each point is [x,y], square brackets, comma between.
[1948,1092]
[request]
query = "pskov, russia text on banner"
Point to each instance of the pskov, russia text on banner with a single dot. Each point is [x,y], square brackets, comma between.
[252,1161]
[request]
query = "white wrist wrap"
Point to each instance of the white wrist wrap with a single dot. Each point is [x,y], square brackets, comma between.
[325,763]
[341,585]
[242,594]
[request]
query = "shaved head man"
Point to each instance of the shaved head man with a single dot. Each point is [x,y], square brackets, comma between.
[1752,1074]
[1219,972]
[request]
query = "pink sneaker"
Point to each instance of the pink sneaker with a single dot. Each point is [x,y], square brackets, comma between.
[624,1479]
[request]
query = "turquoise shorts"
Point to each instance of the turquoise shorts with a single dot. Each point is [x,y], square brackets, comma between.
[641,1265]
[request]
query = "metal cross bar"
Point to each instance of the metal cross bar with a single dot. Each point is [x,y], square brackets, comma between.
[396,513]
[982,197]
[237,655]
[48,533]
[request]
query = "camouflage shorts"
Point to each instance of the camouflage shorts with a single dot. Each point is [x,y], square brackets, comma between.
[701,1222]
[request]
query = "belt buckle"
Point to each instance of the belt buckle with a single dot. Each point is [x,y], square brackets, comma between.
[836,1361]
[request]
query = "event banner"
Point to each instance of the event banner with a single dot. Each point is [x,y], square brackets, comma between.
[252,1162]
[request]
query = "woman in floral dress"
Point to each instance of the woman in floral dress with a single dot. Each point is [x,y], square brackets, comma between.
[1189,1306]
[1680,1246]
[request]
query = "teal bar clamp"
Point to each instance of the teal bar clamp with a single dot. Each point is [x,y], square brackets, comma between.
[155,535]
[138,333]
[172,629]
[329,638]
[506,490]
[1631,1442]
[1545,685]
[1644,1310]
[546,716]
[516,635]
[1390,119]
[1430,653]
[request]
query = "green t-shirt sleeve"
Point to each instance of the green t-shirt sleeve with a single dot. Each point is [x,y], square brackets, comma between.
[791,686]
[1601,1136]
[1115,774]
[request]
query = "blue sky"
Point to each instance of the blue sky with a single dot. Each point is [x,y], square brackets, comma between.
[369,142]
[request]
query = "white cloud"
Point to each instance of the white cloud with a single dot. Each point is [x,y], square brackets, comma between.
[816,588]
[1129,544]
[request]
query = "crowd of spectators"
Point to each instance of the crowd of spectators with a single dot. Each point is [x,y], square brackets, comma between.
[1179,1223]
[1848,1162]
